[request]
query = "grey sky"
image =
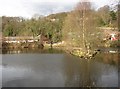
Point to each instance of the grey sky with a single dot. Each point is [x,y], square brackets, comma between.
[27,8]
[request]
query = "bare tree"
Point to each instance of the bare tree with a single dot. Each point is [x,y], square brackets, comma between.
[80,27]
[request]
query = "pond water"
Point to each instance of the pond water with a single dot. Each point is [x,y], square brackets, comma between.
[54,68]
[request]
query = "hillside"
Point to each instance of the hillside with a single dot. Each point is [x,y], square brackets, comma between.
[48,26]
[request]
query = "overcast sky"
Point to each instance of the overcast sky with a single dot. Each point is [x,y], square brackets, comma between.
[27,8]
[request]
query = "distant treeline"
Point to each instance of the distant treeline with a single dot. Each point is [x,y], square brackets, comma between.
[47,26]
[51,26]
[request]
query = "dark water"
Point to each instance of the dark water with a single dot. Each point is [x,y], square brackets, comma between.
[41,69]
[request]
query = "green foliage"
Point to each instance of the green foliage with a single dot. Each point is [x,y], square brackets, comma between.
[113,15]
[107,17]
[60,25]
[16,26]
[100,22]
[115,43]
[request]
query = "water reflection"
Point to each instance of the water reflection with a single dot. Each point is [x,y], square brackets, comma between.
[90,73]
[33,70]
[59,70]
[30,50]
[109,58]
